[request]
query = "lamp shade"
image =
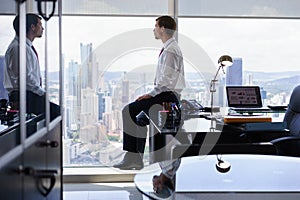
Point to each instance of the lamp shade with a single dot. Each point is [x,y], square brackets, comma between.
[225,61]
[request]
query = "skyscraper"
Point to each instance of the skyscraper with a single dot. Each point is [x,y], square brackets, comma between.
[234,73]
[73,79]
[89,68]
[101,105]
[125,92]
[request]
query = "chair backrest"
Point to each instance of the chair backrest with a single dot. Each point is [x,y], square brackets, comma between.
[287,146]
[294,103]
[184,150]
[292,115]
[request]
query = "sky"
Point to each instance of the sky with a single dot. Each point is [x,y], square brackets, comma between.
[263,45]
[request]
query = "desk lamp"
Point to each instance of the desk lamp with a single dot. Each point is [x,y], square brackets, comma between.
[224,61]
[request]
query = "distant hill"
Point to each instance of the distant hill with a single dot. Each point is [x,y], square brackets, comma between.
[273,82]
[281,85]
[54,76]
[268,76]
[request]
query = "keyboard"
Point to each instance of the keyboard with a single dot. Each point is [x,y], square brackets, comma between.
[260,109]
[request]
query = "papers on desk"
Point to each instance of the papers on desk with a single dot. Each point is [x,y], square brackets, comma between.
[252,123]
[228,119]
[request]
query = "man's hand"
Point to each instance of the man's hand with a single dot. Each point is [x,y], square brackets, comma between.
[145,96]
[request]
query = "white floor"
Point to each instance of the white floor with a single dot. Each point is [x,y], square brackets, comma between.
[103,191]
[96,195]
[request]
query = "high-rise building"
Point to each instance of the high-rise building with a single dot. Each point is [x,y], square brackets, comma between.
[73,79]
[71,120]
[86,61]
[125,92]
[89,68]
[249,80]
[101,105]
[234,73]
[72,100]
[89,107]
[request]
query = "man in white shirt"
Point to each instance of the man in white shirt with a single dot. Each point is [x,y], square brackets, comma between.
[35,93]
[169,82]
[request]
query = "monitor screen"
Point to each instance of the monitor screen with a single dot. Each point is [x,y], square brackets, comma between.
[243,96]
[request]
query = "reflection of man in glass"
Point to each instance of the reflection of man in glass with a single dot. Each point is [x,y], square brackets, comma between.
[169,82]
[35,93]
[164,184]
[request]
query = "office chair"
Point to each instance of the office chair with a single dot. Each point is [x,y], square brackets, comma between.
[292,115]
[185,150]
[287,146]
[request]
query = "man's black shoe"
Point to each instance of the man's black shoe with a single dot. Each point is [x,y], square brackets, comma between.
[130,161]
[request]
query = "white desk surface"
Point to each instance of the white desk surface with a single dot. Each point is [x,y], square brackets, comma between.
[255,173]
[250,177]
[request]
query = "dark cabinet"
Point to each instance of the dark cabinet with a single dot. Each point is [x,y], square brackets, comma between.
[11,182]
[54,162]
[36,174]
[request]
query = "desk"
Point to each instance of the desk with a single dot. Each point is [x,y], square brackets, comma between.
[250,177]
[10,134]
[198,130]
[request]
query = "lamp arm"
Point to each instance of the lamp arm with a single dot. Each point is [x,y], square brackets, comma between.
[213,89]
[215,78]
[224,61]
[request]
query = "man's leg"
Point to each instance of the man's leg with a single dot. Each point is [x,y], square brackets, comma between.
[157,141]
[134,136]
[35,104]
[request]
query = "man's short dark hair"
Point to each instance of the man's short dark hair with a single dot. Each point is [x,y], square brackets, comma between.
[167,22]
[31,19]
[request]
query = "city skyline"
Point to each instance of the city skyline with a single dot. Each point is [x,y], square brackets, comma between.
[94,92]
[93,119]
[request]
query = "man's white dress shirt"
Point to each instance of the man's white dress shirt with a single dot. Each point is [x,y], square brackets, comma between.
[11,69]
[170,70]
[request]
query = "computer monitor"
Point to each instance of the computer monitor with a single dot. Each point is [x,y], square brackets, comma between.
[244,96]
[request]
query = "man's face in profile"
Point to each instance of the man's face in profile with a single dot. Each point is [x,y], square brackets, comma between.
[157,31]
[38,29]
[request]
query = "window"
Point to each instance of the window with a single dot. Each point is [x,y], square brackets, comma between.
[110,59]
[267,50]
[238,8]
[110,54]
[102,60]
[112,7]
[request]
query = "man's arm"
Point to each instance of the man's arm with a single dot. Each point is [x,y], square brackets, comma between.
[11,70]
[145,96]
